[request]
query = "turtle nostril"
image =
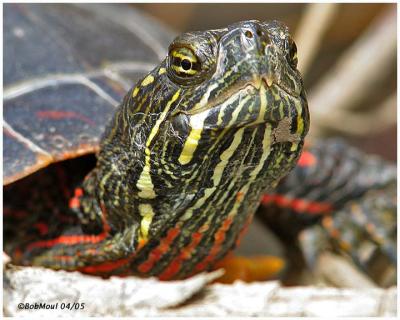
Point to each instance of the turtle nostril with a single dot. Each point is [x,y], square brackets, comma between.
[248,34]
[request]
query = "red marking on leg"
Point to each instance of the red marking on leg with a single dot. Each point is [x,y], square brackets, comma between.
[59,115]
[105,267]
[78,192]
[307,159]
[298,205]
[219,238]
[74,239]
[66,240]
[160,250]
[74,203]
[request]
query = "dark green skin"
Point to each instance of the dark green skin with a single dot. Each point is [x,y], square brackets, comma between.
[249,61]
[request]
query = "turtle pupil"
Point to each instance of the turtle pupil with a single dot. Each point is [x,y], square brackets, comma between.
[186,64]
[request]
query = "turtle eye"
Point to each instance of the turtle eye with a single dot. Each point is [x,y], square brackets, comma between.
[184,62]
[292,55]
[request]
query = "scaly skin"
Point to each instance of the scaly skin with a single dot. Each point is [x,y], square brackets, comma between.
[187,156]
[337,198]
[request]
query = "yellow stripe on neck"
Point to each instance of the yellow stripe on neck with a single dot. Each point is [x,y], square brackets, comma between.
[145,183]
[147,213]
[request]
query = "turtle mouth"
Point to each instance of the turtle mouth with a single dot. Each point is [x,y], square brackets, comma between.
[238,92]
[269,82]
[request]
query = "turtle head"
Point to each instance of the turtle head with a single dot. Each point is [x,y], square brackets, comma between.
[243,76]
[214,65]
[226,105]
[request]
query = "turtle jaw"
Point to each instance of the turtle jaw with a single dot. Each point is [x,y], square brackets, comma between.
[249,108]
[249,103]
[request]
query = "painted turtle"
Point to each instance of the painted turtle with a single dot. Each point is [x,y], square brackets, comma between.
[182,163]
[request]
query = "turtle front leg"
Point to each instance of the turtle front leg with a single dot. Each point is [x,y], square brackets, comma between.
[337,198]
[100,254]
[77,240]
[365,231]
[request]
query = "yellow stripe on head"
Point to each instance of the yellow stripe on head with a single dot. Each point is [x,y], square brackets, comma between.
[135,92]
[146,81]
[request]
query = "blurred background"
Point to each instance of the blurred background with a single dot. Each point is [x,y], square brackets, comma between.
[347,54]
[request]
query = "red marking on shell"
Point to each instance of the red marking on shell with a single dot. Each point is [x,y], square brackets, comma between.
[307,159]
[59,115]
[298,205]
[159,251]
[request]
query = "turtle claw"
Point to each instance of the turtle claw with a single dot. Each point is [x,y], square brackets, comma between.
[365,231]
[312,241]
[340,199]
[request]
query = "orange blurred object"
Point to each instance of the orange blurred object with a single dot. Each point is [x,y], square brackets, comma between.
[250,269]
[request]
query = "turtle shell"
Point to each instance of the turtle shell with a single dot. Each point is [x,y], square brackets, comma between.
[66,68]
